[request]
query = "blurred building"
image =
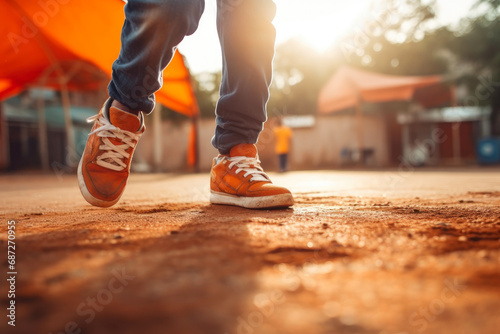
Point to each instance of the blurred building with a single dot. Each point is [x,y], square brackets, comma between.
[444,136]
[407,138]
[373,129]
[20,128]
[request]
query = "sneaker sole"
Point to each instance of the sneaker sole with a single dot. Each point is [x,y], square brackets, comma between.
[88,196]
[263,202]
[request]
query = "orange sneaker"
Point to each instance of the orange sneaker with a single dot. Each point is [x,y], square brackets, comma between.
[238,179]
[105,164]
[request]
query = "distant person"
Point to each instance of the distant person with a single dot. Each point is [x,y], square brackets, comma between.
[283,135]
[150,34]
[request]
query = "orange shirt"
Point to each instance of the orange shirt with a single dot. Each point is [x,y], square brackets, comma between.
[283,135]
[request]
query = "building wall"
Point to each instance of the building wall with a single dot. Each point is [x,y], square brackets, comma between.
[4,141]
[316,147]
[320,146]
[174,146]
[458,145]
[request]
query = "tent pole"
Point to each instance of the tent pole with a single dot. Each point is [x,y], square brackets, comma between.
[359,128]
[72,157]
[455,128]
[455,133]
[157,133]
[405,137]
[195,118]
[43,145]
[196,126]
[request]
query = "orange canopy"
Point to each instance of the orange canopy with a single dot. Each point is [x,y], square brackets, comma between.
[37,34]
[349,86]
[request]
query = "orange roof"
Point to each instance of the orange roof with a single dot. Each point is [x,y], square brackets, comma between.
[37,35]
[349,86]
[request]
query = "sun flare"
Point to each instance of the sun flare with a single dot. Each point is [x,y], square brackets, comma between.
[318,22]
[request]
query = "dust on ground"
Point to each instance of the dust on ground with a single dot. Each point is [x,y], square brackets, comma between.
[360,252]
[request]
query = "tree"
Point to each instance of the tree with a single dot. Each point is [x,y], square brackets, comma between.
[299,73]
[399,38]
[206,87]
[479,47]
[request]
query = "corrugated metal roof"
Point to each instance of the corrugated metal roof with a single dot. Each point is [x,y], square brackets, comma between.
[54,115]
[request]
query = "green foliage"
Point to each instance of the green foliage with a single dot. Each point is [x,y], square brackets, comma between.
[299,74]
[206,86]
[479,47]
[396,39]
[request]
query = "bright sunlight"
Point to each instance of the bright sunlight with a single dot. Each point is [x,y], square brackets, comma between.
[318,22]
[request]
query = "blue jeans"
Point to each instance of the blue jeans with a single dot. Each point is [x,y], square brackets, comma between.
[153,29]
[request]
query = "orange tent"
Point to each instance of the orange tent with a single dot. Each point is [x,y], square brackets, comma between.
[348,87]
[38,35]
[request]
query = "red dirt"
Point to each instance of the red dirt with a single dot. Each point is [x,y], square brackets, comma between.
[354,255]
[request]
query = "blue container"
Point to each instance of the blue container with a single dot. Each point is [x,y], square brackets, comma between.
[488,151]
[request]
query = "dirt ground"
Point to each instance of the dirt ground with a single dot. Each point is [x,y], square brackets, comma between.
[380,252]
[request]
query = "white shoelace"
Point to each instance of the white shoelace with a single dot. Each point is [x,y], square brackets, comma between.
[114,155]
[251,166]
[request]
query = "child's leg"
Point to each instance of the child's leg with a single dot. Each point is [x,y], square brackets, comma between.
[152,29]
[247,38]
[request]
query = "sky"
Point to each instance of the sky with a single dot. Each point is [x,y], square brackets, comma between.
[306,19]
